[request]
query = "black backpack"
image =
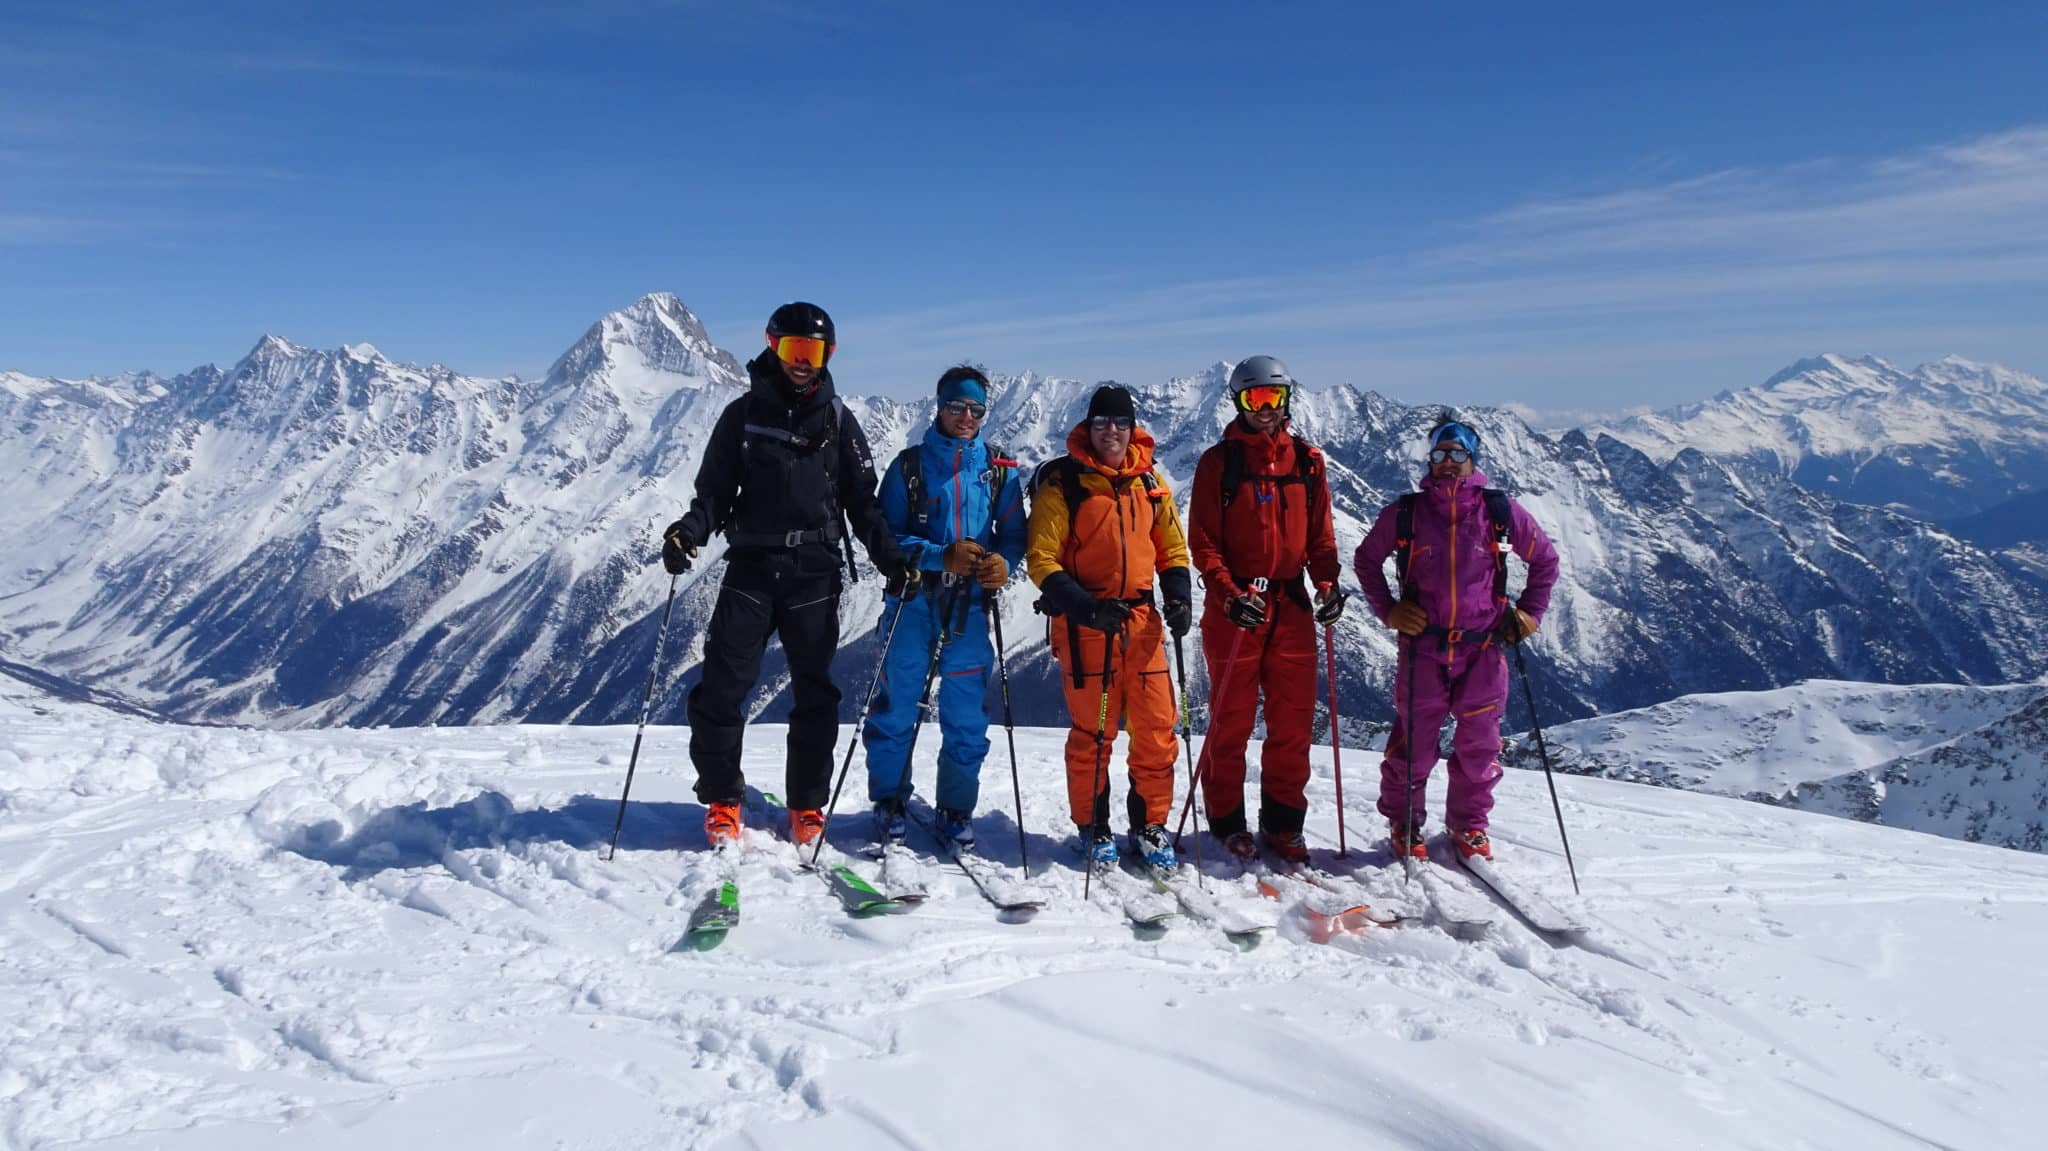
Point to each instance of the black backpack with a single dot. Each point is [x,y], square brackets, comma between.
[828,446]
[1305,474]
[1499,514]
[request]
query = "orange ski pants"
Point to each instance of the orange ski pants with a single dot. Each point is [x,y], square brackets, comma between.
[1140,700]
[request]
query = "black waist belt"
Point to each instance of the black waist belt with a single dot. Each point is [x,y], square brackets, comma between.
[1452,637]
[825,535]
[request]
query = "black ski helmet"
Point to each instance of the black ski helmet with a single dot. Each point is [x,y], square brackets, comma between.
[798,318]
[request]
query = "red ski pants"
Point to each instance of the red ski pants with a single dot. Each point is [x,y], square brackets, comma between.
[1280,658]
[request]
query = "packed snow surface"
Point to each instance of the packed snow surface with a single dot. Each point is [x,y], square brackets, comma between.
[224,938]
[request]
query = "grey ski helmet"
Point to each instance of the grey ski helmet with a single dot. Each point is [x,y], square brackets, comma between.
[1259,371]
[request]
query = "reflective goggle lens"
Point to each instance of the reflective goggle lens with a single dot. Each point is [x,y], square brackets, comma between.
[1454,455]
[1264,396]
[802,350]
[1104,423]
[964,408]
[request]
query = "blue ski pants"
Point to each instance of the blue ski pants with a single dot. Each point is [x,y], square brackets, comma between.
[966,658]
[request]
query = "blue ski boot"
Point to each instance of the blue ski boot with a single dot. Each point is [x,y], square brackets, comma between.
[1156,846]
[1099,847]
[890,826]
[955,831]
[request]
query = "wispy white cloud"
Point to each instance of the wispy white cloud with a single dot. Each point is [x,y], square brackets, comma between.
[1599,281]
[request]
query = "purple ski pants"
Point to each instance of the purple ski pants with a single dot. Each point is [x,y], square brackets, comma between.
[1468,682]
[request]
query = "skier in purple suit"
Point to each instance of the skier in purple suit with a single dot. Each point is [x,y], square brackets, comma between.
[1454,617]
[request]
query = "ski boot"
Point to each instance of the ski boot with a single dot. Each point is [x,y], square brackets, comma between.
[1472,841]
[1099,847]
[890,826]
[722,824]
[806,824]
[1156,846]
[1241,845]
[955,830]
[1406,841]
[1288,846]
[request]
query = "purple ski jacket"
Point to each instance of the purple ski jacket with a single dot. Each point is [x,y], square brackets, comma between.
[1451,563]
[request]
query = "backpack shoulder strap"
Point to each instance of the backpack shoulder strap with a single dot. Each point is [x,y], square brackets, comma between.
[918,519]
[1233,470]
[1500,513]
[1404,538]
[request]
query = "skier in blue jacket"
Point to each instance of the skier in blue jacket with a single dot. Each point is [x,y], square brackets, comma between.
[958,509]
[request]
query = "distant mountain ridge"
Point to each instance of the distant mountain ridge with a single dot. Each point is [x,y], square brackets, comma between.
[319,537]
[1944,440]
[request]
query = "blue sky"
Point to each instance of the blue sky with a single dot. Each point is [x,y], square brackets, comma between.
[1567,207]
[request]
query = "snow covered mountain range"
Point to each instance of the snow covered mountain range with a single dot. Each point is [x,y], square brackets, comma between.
[318,537]
[1945,440]
[1962,761]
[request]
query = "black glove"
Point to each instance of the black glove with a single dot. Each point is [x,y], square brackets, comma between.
[1064,596]
[1180,615]
[676,549]
[1109,615]
[1329,605]
[1247,611]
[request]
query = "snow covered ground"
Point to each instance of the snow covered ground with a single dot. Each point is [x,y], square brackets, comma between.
[223,938]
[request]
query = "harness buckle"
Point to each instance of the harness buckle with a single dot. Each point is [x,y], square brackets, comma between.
[793,539]
[1454,636]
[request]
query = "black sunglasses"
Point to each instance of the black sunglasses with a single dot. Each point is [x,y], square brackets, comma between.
[964,408]
[1104,423]
[1454,455]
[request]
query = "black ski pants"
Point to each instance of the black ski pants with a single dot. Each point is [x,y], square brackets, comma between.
[763,593]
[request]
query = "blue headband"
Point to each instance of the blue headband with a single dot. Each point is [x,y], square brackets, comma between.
[963,388]
[1465,436]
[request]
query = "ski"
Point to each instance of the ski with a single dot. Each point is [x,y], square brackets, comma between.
[1238,926]
[904,876]
[991,879]
[1540,912]
[1147,910]
[1331,906]
[1464,913]
[719,911]
[850,887]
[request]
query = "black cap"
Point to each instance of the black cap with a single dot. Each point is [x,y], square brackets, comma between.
[1112,400]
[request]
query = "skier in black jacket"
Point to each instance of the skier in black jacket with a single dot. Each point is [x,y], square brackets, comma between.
[786,470]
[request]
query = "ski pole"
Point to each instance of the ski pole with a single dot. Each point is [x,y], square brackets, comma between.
[646,705]
[1187,737]
[1216,697]
[1098,802]
[865,704]
[1336,742]
[1536,726]
[995,619]
[1413,827]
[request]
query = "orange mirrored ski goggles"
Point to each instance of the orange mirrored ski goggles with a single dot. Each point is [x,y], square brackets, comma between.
[1264,396]
[801,350]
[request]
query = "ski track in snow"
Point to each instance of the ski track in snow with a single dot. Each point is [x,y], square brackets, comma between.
[226,938]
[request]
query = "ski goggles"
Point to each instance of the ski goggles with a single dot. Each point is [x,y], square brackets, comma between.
[1262,397]
[958,408]
[1104,423]
[802,350]
[1448,455]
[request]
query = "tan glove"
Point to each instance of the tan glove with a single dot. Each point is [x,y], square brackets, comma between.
[994,571]
[1408,618]
[961,556]
[1526,622]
